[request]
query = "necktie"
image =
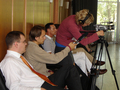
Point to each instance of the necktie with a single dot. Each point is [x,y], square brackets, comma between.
[40,75]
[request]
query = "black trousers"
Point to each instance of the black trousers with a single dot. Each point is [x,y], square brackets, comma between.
[66,75]
[68,61]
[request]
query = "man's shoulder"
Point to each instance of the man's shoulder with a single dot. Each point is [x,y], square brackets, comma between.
[32,48]
[47,40]
[9,59]
[31,45]
[48,37]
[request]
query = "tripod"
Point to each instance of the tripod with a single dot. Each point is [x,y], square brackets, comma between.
[93,77]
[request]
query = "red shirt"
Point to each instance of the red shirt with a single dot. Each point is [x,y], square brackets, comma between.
[69,29]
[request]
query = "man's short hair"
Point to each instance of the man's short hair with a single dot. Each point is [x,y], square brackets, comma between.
[47,26]
[12,37]
[35,32]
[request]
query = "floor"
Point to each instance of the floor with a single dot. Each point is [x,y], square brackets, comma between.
[107,81]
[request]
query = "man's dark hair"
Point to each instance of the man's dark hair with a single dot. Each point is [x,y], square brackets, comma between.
[57,26]
[12,37]
[47,26]
[35,32]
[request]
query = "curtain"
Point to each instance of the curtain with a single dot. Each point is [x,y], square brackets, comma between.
[86,4]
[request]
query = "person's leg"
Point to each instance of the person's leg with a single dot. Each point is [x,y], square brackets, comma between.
[68,60]
[84,79]
[80,61]
[47,86]
[88,49]
[89,56]
[67,75]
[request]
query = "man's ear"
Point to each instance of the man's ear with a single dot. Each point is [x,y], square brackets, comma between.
[15,44]
[48,30]
[36,38]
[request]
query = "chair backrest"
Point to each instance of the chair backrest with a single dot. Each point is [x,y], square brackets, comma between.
[2,82]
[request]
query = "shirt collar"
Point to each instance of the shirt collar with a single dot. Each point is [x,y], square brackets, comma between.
[16,54]
[48,36]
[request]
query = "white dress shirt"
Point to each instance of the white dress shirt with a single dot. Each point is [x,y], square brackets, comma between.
[17,74]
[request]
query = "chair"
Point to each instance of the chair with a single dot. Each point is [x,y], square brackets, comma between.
[2,82]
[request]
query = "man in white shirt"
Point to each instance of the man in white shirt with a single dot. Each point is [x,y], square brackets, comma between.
[19,76]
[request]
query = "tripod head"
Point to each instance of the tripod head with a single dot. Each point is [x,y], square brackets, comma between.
[102,40]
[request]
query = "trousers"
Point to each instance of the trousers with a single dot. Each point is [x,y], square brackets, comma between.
[89,56]
[66,75]
[83,62]
[68,61]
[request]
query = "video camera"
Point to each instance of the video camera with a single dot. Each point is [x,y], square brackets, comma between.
[109,26]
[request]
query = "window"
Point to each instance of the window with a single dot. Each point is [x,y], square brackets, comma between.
[107,12]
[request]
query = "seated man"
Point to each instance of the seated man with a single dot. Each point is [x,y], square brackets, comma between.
[39,57]
[49,44]
[20,74]
[79,54]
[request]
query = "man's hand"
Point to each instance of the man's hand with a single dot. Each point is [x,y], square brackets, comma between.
[100,33]
[43,89]
[74,64]
[51,72]
[72,45]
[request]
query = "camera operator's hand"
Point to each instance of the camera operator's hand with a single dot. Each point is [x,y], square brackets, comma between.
[100,33]
[72,45]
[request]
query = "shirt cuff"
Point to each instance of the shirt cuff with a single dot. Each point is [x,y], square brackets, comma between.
[48,51]
[69,47]
[36,88]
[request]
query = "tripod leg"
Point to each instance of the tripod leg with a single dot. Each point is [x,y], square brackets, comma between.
[94,59]
[113,71]
[93,69]
[93,77]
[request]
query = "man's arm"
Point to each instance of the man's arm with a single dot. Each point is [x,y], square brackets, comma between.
[13,77]
[38,54]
